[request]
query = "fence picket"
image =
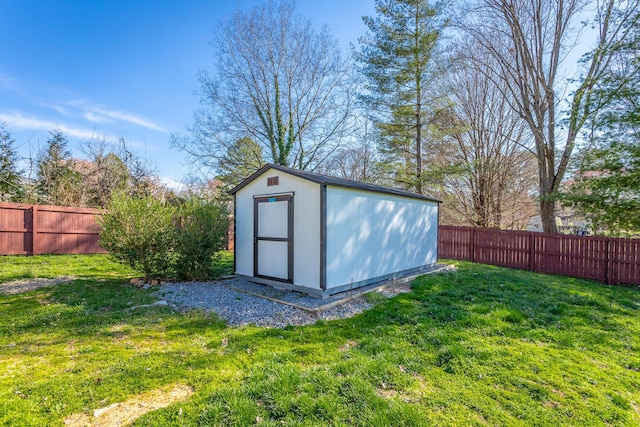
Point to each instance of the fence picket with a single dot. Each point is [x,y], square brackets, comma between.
[40,229]
[609,260]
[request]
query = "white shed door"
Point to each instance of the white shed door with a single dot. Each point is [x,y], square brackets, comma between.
[273,244]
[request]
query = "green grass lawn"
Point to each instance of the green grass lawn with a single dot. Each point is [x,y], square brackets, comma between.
[51,266]
[482,346]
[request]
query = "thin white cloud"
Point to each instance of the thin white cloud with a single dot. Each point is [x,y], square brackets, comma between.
[101,114]
[74,108]
[10,83]
[97,118]
[17,120]
[6,81]
[130,118]
[63,110]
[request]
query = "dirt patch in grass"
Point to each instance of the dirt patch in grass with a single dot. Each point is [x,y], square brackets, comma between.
[349,344]
[389,393]
[21,286]
[125,413]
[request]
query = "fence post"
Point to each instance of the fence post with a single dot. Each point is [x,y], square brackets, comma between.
[608,255]
[472,245]
[34,230]
[532,252]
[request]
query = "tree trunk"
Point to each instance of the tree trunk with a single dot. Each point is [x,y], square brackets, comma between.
[418,105]
[548,215]
[418,152]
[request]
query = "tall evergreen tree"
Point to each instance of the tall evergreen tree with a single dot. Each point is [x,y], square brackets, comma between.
[243,158]
[11,187]
[57,181]
[396,58]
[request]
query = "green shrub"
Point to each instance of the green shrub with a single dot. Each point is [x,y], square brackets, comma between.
[139,232]
[200,233]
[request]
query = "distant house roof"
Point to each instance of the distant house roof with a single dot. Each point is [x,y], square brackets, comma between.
[334,181]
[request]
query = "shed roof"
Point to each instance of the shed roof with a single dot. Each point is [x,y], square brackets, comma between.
[334,181]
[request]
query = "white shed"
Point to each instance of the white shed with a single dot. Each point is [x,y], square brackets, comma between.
[321,235]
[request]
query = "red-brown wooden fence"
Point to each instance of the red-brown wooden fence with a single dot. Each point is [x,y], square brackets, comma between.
[38,229]
[608,260]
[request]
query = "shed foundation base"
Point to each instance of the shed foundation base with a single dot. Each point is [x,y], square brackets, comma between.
[342,288]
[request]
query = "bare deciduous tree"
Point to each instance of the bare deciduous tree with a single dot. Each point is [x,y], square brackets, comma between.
[354,162]
[113,167]
[103,173]
[495,175]
[277,81]
[358,160]
[529,41]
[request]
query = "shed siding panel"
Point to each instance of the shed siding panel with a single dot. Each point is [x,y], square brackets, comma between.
[244,234]
[306,223]
[373,234]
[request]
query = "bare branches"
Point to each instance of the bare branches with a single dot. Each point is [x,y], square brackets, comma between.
[278,82]
[11,188]
[529,40]
[491,183]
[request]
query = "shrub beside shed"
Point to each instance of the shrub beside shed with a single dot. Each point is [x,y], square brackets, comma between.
[321,235]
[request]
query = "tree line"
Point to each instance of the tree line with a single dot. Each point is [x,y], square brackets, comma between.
[485,105]
[54,177]
[144,224]
[478,103]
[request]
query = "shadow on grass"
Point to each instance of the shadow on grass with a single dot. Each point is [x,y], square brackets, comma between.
[485,345]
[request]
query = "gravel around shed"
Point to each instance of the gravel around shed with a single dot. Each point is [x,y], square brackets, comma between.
[240,302]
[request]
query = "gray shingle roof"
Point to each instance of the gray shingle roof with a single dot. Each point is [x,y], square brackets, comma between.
[334,181]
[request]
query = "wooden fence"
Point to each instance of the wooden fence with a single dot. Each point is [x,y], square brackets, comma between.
[37,229]
[608,260]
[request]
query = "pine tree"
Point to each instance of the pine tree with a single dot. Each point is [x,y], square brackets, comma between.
[11,187]
[57,181]
[396,58]
[243,158]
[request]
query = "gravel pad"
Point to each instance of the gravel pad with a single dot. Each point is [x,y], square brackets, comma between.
[239,308]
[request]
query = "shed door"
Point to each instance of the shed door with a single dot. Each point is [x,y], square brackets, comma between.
[273,238]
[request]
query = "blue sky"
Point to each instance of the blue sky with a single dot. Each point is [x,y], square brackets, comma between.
[122,68]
